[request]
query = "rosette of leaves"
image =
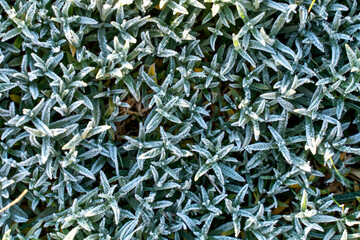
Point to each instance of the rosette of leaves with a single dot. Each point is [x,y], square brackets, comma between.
[179,119]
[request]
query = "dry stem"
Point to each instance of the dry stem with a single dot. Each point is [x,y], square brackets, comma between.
[14,202]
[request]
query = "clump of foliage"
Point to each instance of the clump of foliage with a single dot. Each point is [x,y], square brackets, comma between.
[179,119]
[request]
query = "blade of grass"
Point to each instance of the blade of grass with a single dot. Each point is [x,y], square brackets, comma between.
[311,5]
[340,175]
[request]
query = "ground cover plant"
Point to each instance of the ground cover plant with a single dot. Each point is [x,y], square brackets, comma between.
[179,119]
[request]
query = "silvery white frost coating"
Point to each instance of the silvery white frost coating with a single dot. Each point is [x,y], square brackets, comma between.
[178,119]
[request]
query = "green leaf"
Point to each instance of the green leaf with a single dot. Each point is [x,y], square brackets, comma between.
[150,154]
[7,235]
[7,86]
[85,99]
[129,186]
[323,219]
[280,59]
[98,210]
[72,234]
[354,61]
[11,34]
[218,173]
[83,171]
[231,173]
[203,169]
[73,142]
[177,8]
